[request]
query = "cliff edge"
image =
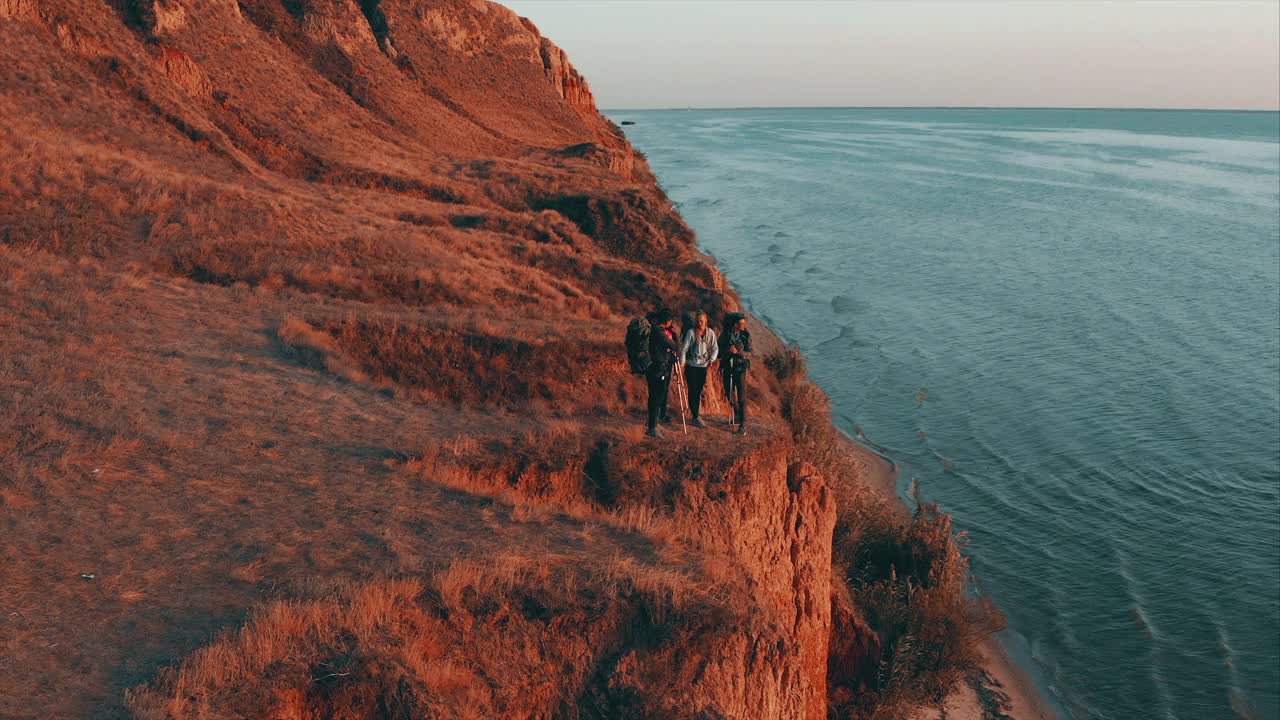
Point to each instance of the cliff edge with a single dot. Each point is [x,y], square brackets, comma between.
[312,401]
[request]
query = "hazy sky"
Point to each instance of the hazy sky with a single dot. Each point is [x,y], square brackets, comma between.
[727,53]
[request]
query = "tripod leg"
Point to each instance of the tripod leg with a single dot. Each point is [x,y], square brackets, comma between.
[684,395]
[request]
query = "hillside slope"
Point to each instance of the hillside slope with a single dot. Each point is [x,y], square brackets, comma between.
[312,403]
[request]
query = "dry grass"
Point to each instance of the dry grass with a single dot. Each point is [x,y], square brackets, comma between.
[556,471]
[367,652]
[434,363]
[402,648]
[910,583]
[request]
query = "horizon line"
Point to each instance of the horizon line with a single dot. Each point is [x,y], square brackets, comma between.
[941,107]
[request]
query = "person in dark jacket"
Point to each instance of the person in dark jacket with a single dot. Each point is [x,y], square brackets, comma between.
[663,354]
[735,352]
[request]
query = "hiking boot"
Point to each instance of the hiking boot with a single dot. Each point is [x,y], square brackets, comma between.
[697,422]
[652,432]
[665,420]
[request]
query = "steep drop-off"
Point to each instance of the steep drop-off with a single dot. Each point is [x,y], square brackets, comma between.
[312,401]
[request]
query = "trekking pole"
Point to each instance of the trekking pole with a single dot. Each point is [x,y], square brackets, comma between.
[684,395]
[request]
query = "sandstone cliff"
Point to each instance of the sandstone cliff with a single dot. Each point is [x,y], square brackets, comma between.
[312,403]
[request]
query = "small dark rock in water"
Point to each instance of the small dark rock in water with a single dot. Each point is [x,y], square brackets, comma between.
[627,122]
[843,305]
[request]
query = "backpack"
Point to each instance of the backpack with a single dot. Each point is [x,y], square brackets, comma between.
[638,345]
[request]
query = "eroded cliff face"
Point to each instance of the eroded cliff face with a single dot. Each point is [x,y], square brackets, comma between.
[566,80]
[776,523]
[761,526]
[315,309]
[772,523]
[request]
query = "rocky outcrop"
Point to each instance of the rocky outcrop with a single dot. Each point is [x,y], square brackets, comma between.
[565,79]
[162,16]
[184,72]
[572,86]
[18,9]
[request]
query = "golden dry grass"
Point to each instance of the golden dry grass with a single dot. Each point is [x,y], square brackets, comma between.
[396,648]
[433,363]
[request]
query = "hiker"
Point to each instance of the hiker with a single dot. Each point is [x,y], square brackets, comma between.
[662,356]
[735,351]
[697,352]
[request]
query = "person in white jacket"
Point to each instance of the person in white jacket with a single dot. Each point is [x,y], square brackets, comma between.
[698,350]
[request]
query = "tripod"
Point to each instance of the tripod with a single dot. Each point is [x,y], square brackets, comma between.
[683,391]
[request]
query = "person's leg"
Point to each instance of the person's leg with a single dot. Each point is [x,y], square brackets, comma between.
[664,415]
[666,394]
[726,384]
[697,379]
[733,395]
[740,394]
[740,383]
[655,391]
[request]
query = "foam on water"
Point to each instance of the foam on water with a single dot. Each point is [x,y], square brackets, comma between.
[1066,325]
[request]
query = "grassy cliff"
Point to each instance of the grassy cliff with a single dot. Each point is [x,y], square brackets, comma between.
[313,404]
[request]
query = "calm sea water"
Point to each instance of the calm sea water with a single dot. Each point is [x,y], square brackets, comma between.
[1066,325]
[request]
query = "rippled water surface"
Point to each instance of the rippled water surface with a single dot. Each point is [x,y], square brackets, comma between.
[1066,325]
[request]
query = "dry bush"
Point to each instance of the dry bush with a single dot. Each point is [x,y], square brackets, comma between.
[465,584]
[536,478]
[630,223]
[786,364]
[539,472]
[667,593]
[317,349]
[910,583]
[624,287]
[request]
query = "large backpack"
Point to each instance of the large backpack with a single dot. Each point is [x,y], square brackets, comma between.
[638,346]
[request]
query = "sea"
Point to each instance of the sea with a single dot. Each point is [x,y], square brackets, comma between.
[1065,326]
